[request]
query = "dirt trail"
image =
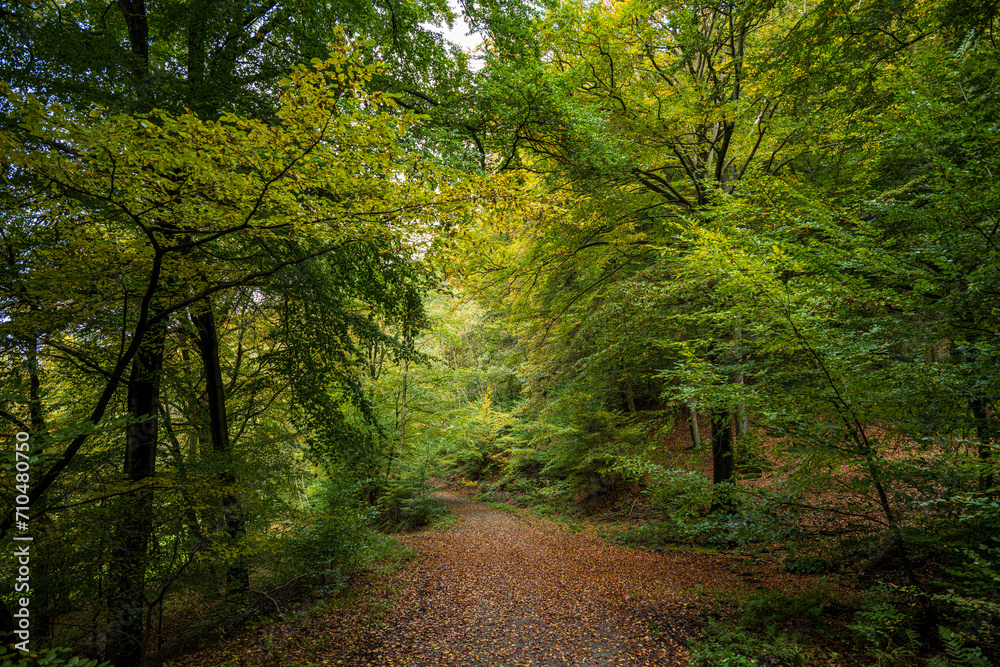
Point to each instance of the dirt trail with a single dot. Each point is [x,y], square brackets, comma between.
[498,589]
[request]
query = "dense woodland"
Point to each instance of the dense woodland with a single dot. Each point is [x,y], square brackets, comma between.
[271,270]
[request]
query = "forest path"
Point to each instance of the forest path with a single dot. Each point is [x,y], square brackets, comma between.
[498,589]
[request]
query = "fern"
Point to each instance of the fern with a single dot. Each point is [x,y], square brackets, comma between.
[959,655]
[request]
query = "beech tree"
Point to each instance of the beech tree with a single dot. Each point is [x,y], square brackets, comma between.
[167,193]
[211,60]
[642,117]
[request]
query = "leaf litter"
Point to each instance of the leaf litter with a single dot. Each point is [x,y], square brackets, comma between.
[500,589]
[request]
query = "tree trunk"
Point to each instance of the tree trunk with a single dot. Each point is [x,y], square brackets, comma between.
[890,517]
[7,624]
[130,553]
[36,411]
[234,519]
[742,421]
[693,425]
[723,454]
[984,433]
[130,556]
[402,410]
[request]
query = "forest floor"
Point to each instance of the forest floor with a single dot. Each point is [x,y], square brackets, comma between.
[501,589]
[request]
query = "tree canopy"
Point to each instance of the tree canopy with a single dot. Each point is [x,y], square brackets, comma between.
[270,269]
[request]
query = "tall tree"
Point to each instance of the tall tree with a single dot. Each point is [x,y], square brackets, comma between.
[641,116]
[213,59]
[155,183]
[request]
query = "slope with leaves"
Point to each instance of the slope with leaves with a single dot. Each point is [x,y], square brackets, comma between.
[503,589]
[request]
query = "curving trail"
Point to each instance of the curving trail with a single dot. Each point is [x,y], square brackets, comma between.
[497,589]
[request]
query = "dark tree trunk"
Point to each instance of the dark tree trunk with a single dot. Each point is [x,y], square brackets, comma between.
[7,625]
[35,409]
[723,454]
[130,553]
[984,433]
[134,14]
[238,573]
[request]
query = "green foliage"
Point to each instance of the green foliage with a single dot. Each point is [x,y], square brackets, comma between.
[822,214]
[765,626]
[294,308]
[890,624]
[49,657]
[723,644]
[885,624]
[958,654]
[770,607]
[806,565]
[684,497]
[330,535]
[503,507]
[157,167]
[406,502]
[651,535]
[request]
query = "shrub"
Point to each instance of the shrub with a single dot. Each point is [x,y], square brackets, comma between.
[50,657]
[722,644]
[771,607]
[684,497]
[331,534]
[648,535]
[406,503]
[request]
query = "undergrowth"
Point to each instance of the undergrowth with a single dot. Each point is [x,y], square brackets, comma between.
[768,628]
